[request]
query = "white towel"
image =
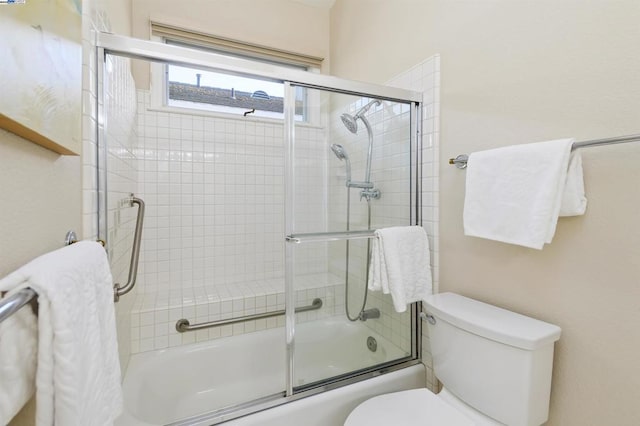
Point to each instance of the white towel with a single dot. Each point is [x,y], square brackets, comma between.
[18,352]
[515,194]
[400,265]
[78,373]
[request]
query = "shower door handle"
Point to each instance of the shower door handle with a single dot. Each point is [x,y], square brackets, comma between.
[135,252]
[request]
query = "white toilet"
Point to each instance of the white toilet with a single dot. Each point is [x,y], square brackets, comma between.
[494,365]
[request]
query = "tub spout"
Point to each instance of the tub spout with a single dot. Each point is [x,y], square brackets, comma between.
[369,314]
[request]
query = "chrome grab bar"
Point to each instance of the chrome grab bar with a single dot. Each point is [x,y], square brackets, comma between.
[10,305]
[135,253]
[183,325]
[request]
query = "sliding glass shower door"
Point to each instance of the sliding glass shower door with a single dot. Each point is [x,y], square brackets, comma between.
[257,234]
[348,173]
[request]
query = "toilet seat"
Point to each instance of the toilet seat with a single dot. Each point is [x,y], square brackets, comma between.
[407,408]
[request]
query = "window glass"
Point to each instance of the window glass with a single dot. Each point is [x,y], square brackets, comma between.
[219,92]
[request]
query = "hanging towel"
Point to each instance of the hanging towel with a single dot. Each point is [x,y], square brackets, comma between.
[18,352]
[400,265]
[78,372]
[515,194]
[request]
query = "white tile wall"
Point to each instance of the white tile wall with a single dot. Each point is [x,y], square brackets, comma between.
[214,188]
[425,77]
[121,108]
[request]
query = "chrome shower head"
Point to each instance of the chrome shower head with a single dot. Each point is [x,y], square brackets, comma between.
[341,153]
[350,122]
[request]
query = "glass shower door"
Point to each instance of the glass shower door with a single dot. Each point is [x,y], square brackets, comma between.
[348,173]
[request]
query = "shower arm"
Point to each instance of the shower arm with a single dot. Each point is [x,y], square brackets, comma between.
[367,177]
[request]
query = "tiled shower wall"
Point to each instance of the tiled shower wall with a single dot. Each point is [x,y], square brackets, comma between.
[121,106]
[425,77]
[213,246]
[390,172]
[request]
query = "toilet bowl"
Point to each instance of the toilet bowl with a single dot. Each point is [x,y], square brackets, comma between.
[407,408]
[495,366]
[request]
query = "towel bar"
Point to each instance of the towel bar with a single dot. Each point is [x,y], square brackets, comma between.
[461,160]
[13,303]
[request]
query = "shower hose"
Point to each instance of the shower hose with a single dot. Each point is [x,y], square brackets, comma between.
[366,280]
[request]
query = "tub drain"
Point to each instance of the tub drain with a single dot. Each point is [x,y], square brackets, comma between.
[372,344]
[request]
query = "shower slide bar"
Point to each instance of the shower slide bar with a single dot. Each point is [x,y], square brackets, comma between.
[183,325]
[461,160]
[330,236]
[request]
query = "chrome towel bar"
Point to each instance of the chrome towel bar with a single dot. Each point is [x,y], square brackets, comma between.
[461,160]
[183,325]
[135,252]
[329,236]
[11,304]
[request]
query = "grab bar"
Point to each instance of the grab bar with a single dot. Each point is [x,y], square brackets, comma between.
[135,252]
[13,303]
[183,325]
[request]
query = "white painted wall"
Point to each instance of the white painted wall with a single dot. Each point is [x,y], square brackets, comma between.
[525,71]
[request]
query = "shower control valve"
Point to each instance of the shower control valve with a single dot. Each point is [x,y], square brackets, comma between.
[369,194]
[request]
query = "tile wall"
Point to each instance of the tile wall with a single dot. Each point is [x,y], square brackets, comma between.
[121,106]
[213,246]
[425,77]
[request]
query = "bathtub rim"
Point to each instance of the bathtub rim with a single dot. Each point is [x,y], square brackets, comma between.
[272,401]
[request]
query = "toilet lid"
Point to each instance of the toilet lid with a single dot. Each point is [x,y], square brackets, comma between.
[406,408]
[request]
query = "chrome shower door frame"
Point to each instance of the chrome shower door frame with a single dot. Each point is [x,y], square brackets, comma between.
[176,55]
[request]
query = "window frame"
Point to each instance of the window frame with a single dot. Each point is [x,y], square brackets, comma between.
[256,54]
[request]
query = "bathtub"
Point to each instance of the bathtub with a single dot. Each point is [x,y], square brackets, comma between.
[173,384]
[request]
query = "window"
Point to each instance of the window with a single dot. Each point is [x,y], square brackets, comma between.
[215,91]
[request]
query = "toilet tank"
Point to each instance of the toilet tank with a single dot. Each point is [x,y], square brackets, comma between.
[494,360]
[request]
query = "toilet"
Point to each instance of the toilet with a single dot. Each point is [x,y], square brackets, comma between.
[495,367]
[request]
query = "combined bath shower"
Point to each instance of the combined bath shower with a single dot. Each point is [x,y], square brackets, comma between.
[367,192]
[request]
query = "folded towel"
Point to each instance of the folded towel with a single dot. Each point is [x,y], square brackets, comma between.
[515,194]
[18,352]
[400,265]
[78,373]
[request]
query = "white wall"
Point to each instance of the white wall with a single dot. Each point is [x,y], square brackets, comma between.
[516,72]
[40,198]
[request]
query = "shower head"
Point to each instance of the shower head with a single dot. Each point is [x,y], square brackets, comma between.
[351,121]
[339,151]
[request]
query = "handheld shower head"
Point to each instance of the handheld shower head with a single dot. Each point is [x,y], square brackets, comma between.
[341,153]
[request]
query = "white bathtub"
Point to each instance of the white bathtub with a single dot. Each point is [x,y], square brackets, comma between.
[169,385]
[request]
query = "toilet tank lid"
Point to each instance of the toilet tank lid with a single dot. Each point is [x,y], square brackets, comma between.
[492,322]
